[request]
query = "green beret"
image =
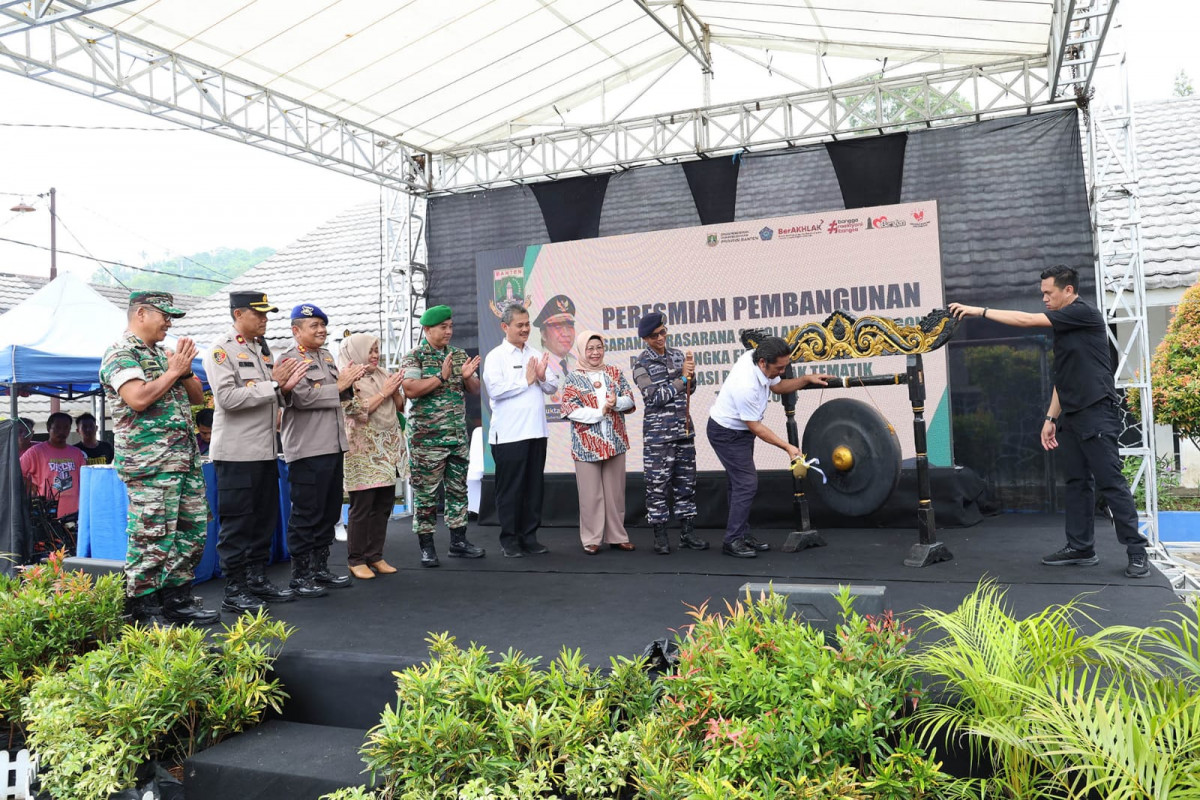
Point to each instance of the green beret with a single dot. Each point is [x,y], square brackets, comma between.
[435,316]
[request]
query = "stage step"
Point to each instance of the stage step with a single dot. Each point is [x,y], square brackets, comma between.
[278,761]
[339,688]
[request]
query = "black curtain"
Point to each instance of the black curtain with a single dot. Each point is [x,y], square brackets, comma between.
[713,182]
[869,170]
[14,516]
[571,207]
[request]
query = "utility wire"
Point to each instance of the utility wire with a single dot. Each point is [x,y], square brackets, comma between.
[190,260]
[107,271]
[114,263]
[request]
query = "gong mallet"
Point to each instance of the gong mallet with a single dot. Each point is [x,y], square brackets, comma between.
[805,535]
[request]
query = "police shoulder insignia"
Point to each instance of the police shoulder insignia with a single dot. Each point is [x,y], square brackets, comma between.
[219,355]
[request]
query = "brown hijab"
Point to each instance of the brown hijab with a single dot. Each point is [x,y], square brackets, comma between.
[356,348]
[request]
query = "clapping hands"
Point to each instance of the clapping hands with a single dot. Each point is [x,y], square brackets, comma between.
[180,361]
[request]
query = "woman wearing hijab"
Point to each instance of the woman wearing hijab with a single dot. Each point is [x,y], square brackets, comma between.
[595,398]
[377,458]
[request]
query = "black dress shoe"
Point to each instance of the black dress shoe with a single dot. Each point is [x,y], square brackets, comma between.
[761,547]
[738,549]
[535,549]
[511,553]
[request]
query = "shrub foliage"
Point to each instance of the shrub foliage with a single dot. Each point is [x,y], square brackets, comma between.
[47,617]
[154,693]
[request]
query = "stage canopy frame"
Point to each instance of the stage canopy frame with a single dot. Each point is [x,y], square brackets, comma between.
[430,97]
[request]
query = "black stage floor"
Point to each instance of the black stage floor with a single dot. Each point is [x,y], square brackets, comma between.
[615,603]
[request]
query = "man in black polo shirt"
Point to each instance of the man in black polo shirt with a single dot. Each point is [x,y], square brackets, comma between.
[1083,421]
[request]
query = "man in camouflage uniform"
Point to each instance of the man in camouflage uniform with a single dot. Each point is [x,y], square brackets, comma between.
[666,379]
[150,390]
[436,376]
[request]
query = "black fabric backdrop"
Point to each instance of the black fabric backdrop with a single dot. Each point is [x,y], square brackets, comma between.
[1011,201]
[869,170]
[14,517]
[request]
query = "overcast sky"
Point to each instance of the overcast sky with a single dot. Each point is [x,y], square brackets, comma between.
[136,195]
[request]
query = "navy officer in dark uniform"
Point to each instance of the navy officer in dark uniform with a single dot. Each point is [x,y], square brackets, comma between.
[1083,421]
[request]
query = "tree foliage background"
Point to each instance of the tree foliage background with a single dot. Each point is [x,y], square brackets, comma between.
[1175,369]
[198,274]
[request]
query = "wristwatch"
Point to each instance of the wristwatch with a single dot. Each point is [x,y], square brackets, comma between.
[440,378]
[1051,419]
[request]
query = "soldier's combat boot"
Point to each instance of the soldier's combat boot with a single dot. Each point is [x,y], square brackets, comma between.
[180,608]
[259,585]
[461,548]
[321,573]
[238,598]
[146,610]
[662,545]
[428,551]
[688,538]
[303,580]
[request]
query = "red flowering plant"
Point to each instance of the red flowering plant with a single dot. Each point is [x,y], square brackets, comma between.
[762,703]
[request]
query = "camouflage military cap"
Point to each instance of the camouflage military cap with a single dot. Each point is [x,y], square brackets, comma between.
[163,301]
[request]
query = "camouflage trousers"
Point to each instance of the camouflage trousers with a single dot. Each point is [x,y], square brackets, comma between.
[670,465]
[168,522]
[431,466]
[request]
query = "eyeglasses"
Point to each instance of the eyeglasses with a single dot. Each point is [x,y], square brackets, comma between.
[658,334]
[599,349]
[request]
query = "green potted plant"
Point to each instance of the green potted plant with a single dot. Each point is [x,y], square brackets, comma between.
[153,695]
[48,616]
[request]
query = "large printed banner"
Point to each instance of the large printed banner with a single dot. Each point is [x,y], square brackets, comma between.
[713,281]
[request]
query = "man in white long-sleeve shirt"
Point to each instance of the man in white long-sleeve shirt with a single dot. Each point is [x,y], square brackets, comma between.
[515,378]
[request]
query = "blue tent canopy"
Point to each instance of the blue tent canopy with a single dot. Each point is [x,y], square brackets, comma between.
[52,343]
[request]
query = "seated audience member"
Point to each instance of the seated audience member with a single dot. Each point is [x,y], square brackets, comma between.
[97,452]
[204,426]
[51,468]
[25,434]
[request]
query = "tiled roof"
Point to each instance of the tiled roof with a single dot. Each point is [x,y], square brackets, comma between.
[15,288]
[337,267]
[1168,153]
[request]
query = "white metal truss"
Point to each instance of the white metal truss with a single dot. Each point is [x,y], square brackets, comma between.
[952,95]
[22,14]
[1078,29]
[103,63]
[685,28]
[406,272]
[1120,285]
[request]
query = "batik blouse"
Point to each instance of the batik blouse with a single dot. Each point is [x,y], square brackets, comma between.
[601,436]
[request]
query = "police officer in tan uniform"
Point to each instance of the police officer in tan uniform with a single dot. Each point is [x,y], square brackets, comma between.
[314,439]
[249,387]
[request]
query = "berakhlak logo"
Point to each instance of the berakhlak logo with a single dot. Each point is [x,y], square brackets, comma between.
[874,223]
[765,233]
[712,240]
[918,215]
[833,227]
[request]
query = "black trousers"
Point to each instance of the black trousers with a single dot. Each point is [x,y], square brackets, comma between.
[248,510]
[1088,453]
[520,479]
[366,529]
[316,489]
